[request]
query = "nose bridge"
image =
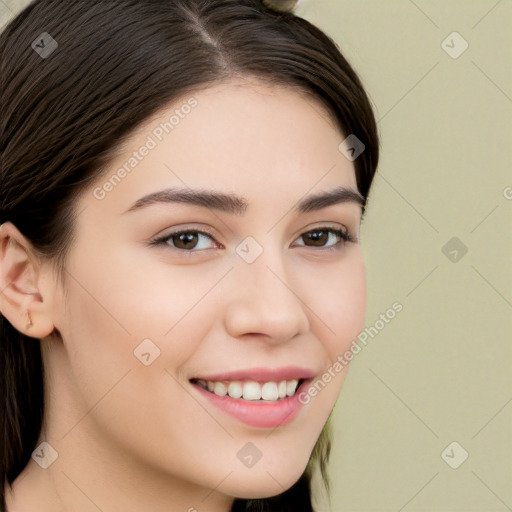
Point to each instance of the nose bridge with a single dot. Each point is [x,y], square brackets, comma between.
[267,277]
[264,300]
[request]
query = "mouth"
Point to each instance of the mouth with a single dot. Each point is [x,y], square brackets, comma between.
[250,390]
[267,404]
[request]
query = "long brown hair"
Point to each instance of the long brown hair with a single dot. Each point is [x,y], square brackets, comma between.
[114,64]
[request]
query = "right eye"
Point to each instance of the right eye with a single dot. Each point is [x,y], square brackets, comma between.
[184,240]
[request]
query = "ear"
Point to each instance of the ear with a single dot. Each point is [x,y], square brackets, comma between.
[21,274]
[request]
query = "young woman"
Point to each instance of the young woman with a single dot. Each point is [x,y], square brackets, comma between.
[182,186]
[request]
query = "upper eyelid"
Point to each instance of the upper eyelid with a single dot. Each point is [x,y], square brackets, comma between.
[205,232]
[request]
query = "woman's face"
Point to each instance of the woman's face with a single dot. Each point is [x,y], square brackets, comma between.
[268,287]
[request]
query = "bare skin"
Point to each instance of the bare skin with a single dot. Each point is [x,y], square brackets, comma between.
[135,437]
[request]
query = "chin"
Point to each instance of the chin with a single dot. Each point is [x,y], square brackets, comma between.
[263,485]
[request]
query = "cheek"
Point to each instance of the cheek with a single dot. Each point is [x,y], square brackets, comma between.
[338,320]
[155,295]
[341,305]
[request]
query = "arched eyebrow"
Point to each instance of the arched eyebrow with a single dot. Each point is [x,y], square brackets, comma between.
[237,205]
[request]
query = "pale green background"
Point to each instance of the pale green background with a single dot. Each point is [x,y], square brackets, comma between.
[441,370]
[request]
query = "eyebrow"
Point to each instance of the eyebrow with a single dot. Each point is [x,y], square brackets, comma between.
[236,205]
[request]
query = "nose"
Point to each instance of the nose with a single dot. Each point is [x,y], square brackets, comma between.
[264,302]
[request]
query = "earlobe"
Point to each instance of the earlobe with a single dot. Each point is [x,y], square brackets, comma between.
[21,302]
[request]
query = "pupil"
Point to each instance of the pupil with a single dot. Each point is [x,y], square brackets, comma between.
[187,238]
[313,236]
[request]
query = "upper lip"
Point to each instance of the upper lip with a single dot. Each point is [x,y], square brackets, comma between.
[262,374]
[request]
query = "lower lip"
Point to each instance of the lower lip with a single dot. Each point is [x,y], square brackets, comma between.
[259,413]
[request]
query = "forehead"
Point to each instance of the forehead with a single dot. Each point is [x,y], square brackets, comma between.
[243,136]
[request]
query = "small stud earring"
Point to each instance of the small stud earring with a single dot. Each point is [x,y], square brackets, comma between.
[29,323]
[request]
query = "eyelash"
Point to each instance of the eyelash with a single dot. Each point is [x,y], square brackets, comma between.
[345,237]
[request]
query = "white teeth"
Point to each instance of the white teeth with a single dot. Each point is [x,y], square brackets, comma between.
[269,391]
[251,390]
[282,389]
[220,389]
[291,387]
[235,390]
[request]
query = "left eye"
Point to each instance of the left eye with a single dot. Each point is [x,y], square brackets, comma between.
[319,235]
[186,240]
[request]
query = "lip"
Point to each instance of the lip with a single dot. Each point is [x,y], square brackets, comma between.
[261,374]
[256,413]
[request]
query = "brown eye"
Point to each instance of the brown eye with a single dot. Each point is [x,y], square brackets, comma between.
[321,236]
[190,240]
[185,240]
[317,237]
